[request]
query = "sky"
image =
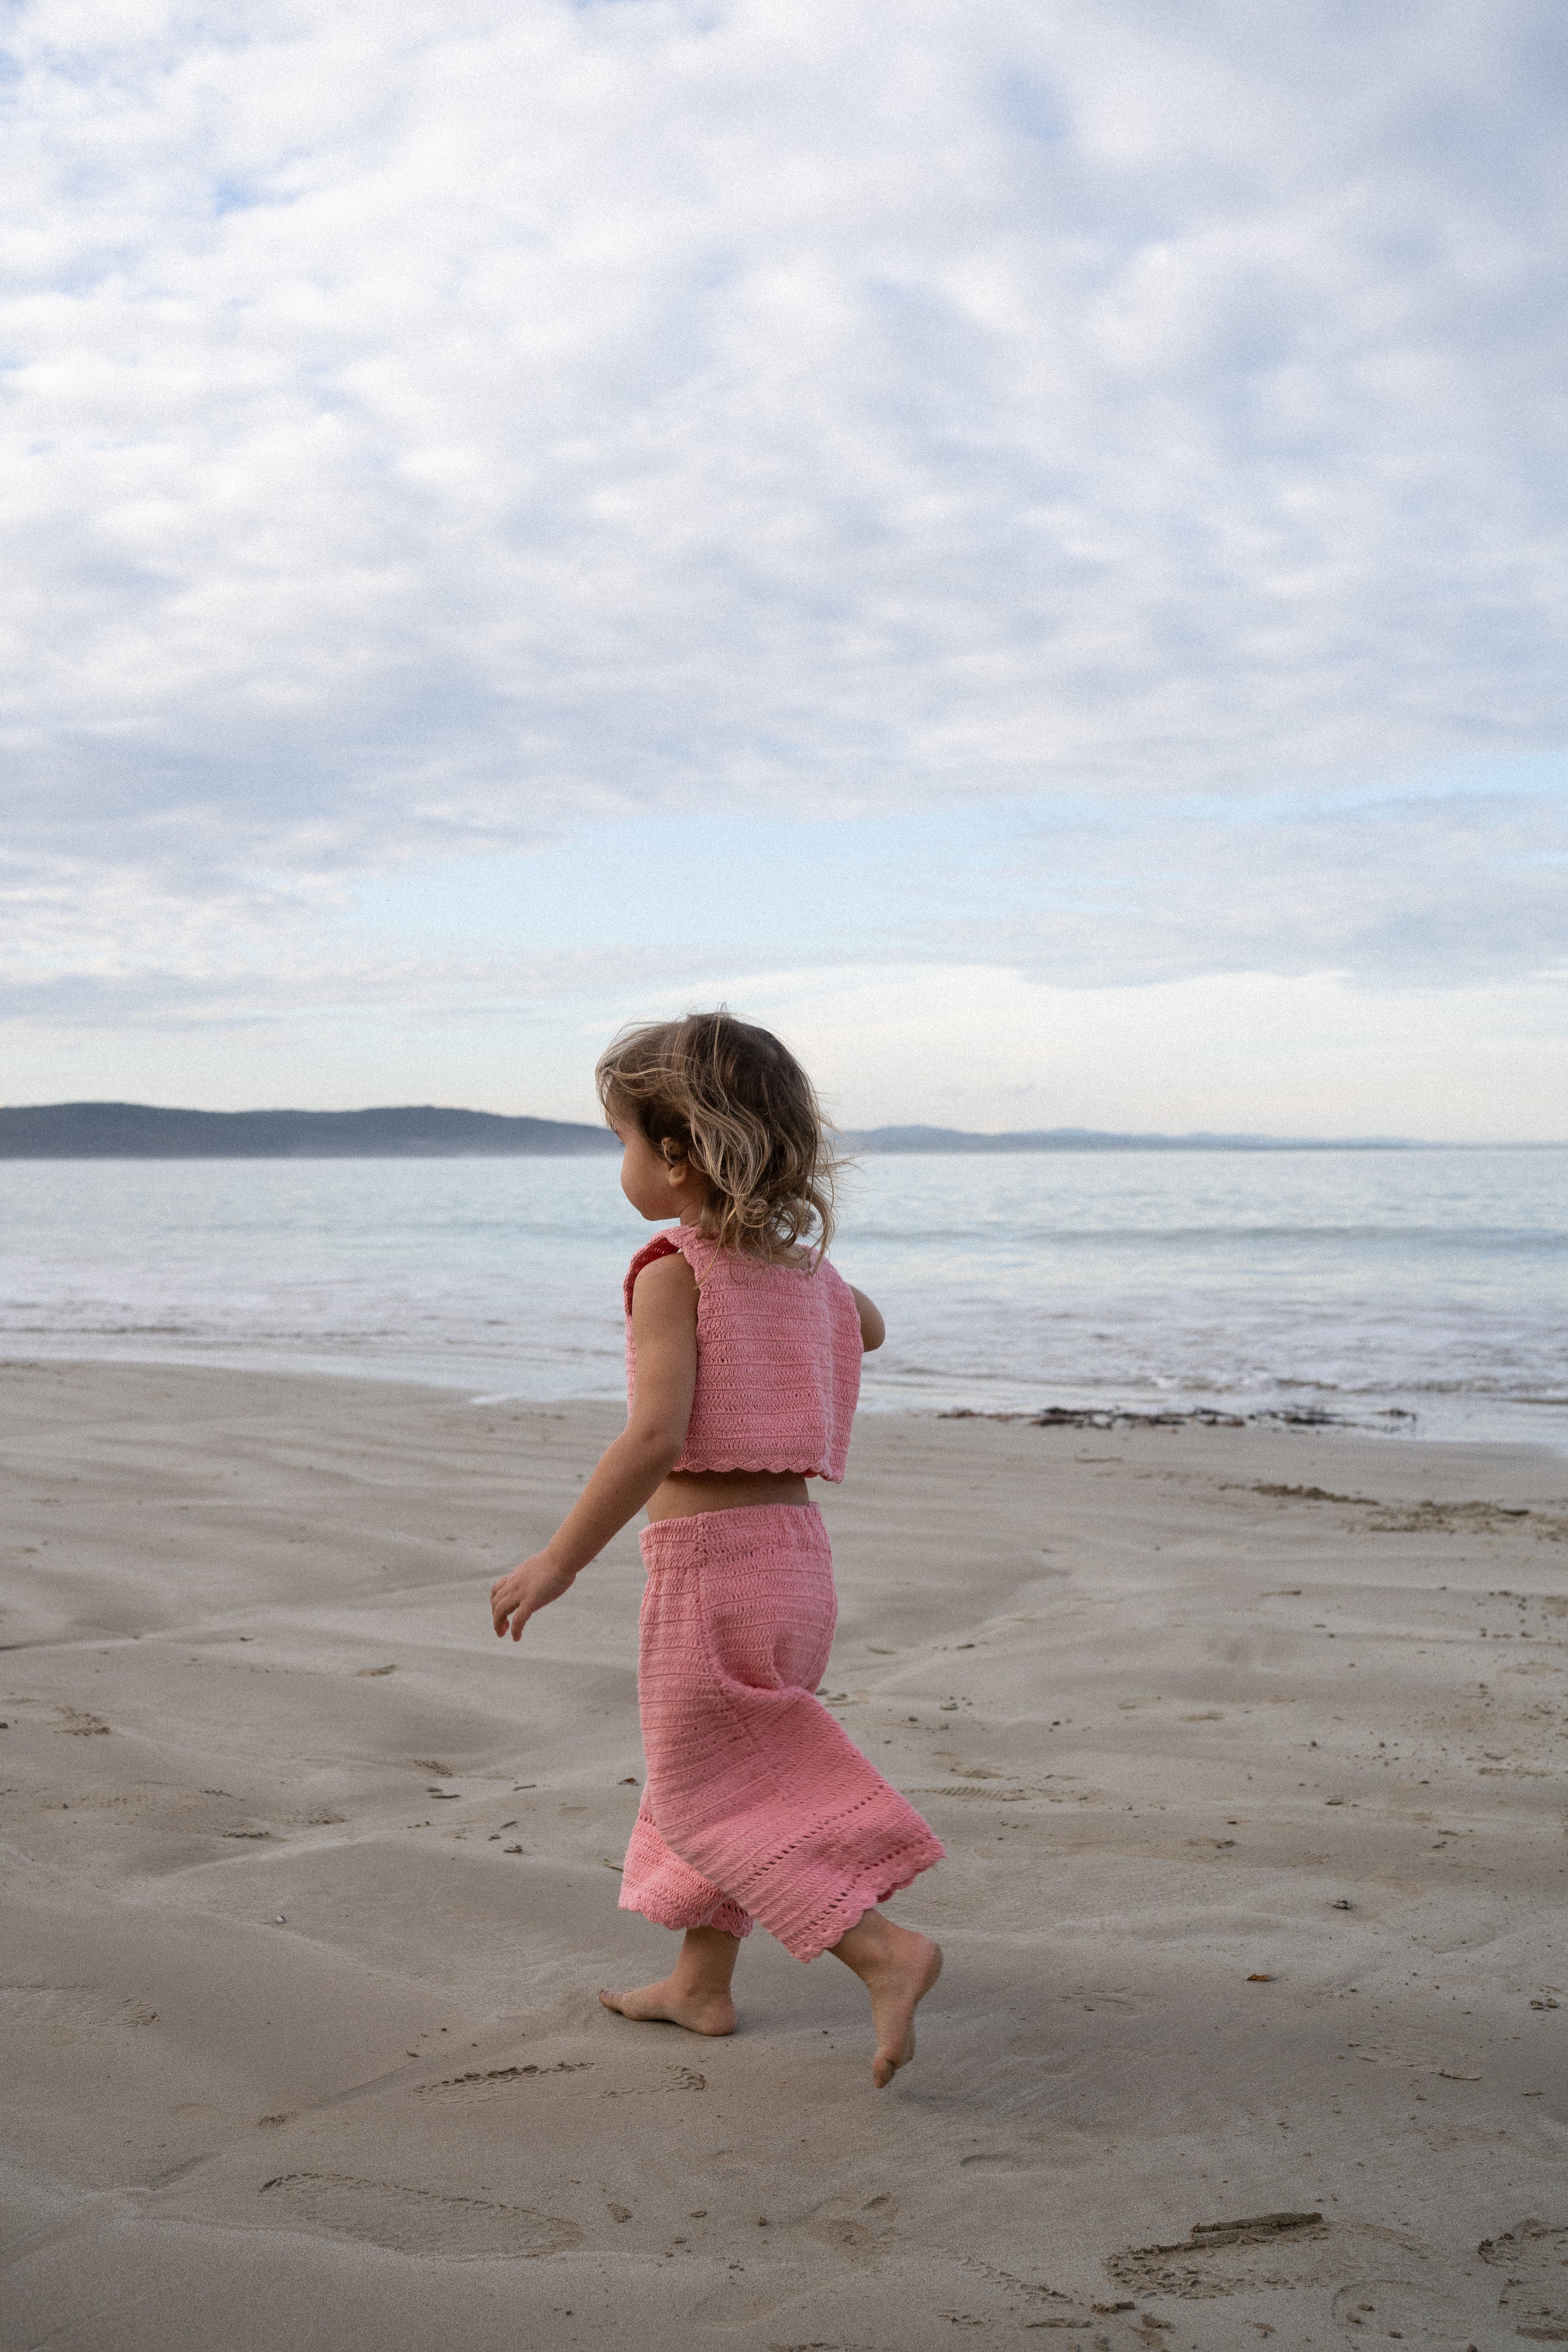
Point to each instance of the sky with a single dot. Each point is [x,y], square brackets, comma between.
[1023,547]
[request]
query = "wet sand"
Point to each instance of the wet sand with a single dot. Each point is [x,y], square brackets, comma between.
[1246,1746]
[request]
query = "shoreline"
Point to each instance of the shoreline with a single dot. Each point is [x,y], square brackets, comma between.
[1383,1422]
[1245,1745]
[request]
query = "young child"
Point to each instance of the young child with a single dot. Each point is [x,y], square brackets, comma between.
[744,1353]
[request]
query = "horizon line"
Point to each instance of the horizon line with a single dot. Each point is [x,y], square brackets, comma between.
[906,1136]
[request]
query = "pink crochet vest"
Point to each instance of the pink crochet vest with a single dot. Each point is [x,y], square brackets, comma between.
[778,1359]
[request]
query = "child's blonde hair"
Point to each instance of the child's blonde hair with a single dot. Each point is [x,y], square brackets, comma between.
[737,1104]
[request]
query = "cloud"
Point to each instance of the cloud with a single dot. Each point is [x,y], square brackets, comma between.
[1439,890]
[1447,889]
[977,1046]
[969,1045]
[439,427]
[520,508]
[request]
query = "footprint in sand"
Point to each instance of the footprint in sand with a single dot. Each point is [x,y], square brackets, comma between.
[63,2013]
[1376,2309]
[1105,2004]
[854,2226]
[486,2081]
[411,2220]
[1065,2151]
[753,2293]
[1452,2067]
[1535,2299]
[1263,2250]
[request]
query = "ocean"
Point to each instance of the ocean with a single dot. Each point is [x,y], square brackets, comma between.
[1419,1293]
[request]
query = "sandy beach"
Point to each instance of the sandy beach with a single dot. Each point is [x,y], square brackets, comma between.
[1245,1745]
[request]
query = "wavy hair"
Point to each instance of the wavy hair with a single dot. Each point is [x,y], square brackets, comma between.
[733,1100]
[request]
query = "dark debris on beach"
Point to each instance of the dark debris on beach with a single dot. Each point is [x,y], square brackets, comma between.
[1061,1416]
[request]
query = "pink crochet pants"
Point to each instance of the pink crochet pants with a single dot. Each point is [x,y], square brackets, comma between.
[757,1805]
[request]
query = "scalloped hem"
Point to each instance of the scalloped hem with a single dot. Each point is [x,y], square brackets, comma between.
[850,1907]
[770,1469]
[725,1915]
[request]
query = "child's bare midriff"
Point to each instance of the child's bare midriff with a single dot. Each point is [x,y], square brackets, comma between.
[684,1493]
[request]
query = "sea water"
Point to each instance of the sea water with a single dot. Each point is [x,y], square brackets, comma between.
[1419,1292]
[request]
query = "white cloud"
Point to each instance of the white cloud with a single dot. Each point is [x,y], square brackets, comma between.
[1445,889]
[1454,887]
[432,423]
[433,430]
[962,1045]
[978,1048]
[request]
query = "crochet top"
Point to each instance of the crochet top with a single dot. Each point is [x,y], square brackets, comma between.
[778,1359]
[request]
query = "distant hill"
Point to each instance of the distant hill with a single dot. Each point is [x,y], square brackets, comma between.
[1091,1139]
[139,1131]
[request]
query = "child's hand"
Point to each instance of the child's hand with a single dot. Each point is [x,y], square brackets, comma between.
[532,1585]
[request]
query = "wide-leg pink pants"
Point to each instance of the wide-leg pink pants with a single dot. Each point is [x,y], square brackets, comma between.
[757,1805]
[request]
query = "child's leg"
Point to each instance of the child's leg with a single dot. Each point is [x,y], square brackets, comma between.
[696,1992]
[898,1968]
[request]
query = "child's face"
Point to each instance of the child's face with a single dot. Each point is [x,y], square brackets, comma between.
[655,1189]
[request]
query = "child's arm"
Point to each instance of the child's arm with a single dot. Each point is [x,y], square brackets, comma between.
[873,1330]
[664,1326]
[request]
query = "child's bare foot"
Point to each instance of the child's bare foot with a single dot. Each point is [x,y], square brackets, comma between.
[696,1992]
[673,2004]
[898,1968]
